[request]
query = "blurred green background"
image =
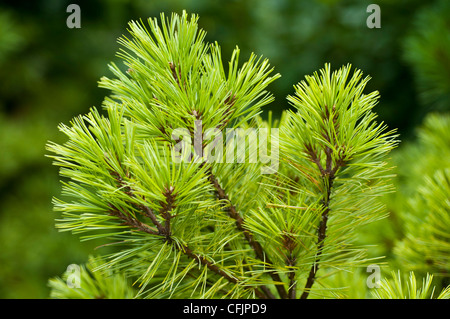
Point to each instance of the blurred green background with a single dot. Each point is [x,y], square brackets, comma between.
[49,73]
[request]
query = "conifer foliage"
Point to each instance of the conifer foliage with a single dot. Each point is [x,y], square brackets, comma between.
[163,178]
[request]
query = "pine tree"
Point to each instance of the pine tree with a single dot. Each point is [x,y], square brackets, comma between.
[202,198]
[421,204]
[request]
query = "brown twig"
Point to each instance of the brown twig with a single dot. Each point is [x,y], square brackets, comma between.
[132,222]
[320,239]
[165,231]
[328,175]
[229,103]
[289,244]
[256,246]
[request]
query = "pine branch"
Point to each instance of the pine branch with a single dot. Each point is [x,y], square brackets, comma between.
[167,207]
[133,222]
[289,243]
[239,221]
[120,169]
[328,176]
[165,231]
[333,127]
[320,237]
[229,103]
[216,269]
[148,212]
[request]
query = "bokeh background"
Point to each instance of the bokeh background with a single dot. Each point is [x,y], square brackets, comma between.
[49,74]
